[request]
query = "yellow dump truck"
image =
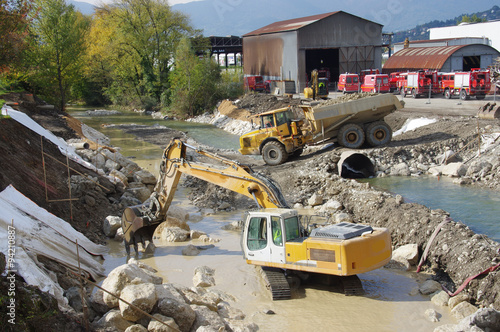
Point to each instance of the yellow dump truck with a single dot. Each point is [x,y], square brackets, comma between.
[280,134]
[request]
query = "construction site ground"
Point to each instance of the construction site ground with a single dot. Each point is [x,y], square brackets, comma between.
[21,160]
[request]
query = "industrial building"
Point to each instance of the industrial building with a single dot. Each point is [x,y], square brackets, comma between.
[288,51]
[485,30]
[460,57]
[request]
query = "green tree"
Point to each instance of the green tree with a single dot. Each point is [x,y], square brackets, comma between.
[135,41]
[193,81]
[57,48]
[471,19]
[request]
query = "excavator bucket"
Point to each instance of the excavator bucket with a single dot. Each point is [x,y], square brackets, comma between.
[489,111]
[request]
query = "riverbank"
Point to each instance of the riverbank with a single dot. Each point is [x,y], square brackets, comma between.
[310,175]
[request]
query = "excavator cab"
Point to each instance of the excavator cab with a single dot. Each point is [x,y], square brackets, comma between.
[265,233]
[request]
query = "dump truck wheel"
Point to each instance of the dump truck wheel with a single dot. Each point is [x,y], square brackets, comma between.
[447,94]
[378,133]
[274,153]
[351,136]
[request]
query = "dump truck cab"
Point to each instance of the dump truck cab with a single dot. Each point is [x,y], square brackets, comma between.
[277,136]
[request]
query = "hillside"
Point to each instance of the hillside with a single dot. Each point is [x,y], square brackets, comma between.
[223,17]
[421,32]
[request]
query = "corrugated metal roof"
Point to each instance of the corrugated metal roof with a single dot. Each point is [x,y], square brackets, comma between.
[420,58]
[289,25]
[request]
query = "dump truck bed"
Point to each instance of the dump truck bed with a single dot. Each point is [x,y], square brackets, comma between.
[326,119]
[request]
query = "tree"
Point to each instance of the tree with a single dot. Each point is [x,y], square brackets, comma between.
[194,81]
[136,41]
[13,30]
[471,19]
[57,47]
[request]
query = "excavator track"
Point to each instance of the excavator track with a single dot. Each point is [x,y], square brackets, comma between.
[276,282]
[352,285]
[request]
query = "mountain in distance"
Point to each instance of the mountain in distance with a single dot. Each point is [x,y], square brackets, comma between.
[83,7]
[421,32]
[238,17]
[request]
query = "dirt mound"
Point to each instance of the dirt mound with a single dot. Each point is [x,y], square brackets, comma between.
[257,103]
[23,155]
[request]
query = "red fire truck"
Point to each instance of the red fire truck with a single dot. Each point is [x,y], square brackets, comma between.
[376,83]
[255,83]
[466,84]
[420,83]
[365,72]
[394,79]
[348,83]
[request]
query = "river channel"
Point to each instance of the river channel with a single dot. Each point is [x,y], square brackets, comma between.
[391,302]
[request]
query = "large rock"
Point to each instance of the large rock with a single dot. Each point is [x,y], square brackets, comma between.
[144,177]
[136,328]
[169,291]
[447,157]
[207,318]
[204,277]
[228,312]
[191,250]
[174,234]
[315,199]
[120,159]
[111,225]
[195,234]
[123,276]
[331,205]
[440,298]
[119,176]
[487,319]
[178,212]
[181,312]
[173,222]
[429,286]
[155,325]
[454,170]
[110,165]
[432,315]
[206,299]
[400,169]
[142,296]
[241,326]
[113,320]
[462,310]
[479,166]
[141,192]
[406,255]
[455,300]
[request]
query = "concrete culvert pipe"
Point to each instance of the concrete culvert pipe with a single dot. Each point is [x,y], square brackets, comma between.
[80,145]
[355,165]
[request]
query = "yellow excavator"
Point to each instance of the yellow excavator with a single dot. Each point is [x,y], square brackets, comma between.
[273,235]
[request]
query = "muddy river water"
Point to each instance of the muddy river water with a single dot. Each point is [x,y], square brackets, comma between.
[391,301]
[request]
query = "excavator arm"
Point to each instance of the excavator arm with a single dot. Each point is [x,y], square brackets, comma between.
[139,222]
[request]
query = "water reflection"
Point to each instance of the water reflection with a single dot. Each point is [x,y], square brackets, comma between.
[477,208]
[203,133]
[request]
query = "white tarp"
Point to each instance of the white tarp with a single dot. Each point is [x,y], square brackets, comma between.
[412,124]
[38,232]
[28,122]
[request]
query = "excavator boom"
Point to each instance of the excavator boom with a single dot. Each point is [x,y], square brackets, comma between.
[139,222]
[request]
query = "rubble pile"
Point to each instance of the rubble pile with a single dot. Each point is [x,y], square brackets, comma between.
[181,308]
